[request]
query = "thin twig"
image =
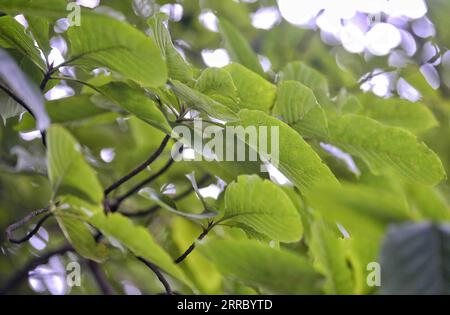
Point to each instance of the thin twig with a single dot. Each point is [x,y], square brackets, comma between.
[9,231]
[22,274]
[158,274]
[140,168]
[205,232]
[100,278]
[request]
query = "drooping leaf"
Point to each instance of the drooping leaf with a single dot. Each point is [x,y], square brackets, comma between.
[415,259]
[253,90]
[278,271]
[263,207]
[296,159]
[201,102]
[23,88]
[138,103]
[72,214]
[68,171]
[238,47]
[72,110]
[13,33]
[178,68]
[386,148]
[118,46]
[138,240]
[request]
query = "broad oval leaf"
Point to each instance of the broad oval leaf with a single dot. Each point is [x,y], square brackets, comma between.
[68,171]
[117,45]
[298,71]
[278,271]
[263,207]
[386,148]
[296,159]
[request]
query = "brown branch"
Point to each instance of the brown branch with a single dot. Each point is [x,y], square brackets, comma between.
[158,274]
[205,232]
[100,278]
[140,168]
[13,227]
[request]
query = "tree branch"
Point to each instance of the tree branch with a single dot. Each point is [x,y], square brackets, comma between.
[205,232]
[13,227]
[22,274]
[158,274]
[140,168]
[100,278]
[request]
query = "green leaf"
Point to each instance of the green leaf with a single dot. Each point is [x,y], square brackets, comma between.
[428,202]
[178,68]
[40,29]
[297,160]
[238,47]
[13,33]
[415,117]
[56,8]
[263,207]
[329,254]
[9,108]
[138,240]
[298,71]
[201,102]
[361,209]
[298,107]
[253,90]
[415,260]
[386,149]
[278,271]
[72,110]
[105,41]
[138,103]
[68,172]
[71,215]
[218,84]
[23,88]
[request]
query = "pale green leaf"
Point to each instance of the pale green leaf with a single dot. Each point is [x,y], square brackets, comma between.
[386,149]
[296,159]
[138,240]
[298,71]
[178,68]
[253,90]
[263,207]
[13,33]
[108,42]
[277,271]
[68,171]
[238,47]
[54,8]
[138,103]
